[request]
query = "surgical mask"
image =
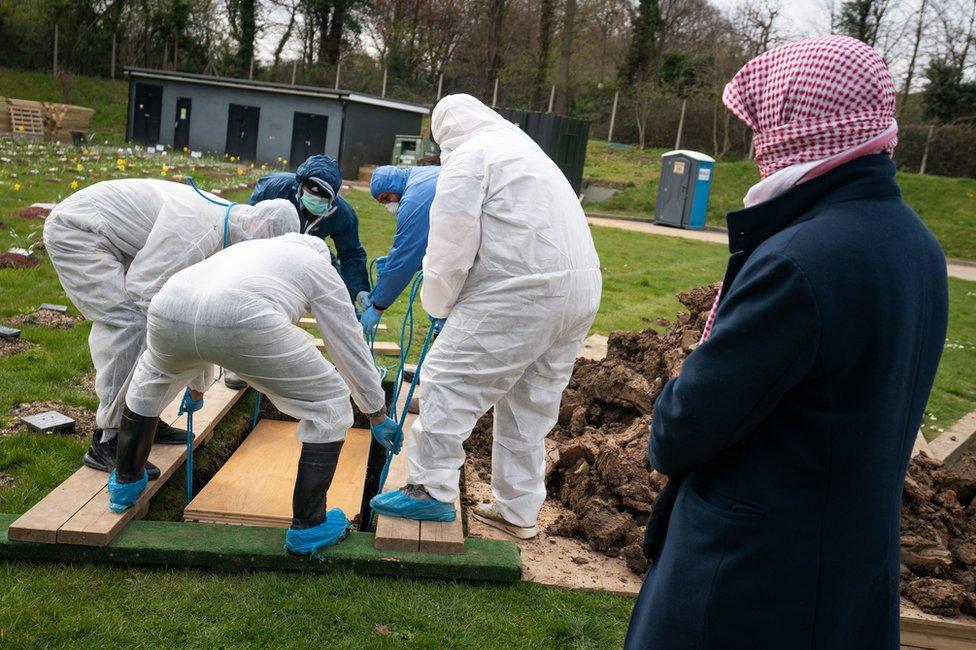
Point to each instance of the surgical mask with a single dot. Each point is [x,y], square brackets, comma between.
[392,207]
[317,205]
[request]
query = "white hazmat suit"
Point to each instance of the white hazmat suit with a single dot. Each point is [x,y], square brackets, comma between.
[238,309]
[511,263]
[115,243]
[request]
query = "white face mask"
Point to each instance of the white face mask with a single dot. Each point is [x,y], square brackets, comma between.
[392,207]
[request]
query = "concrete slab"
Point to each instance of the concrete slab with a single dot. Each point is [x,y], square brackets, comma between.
[61,309]
[9,333]
[49,422]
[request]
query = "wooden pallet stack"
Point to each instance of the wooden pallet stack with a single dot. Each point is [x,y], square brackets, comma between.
[37,120]
[61,120]
[26,118]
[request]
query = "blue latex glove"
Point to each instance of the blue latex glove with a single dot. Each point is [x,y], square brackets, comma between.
[363,300]
[371,318]
[438,324]
[387,435]
[380,265]
[189,404]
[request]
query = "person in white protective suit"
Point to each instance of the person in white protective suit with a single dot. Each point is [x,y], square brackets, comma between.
[511,265]
[239,309]
[113,245]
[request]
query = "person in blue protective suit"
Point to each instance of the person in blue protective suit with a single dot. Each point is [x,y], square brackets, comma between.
[314,191]
[406,193]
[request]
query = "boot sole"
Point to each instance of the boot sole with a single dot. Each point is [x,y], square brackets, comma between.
[518,532]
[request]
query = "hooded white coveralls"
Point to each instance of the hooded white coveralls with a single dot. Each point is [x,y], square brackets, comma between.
[238,309]
[115,243]
[511,263]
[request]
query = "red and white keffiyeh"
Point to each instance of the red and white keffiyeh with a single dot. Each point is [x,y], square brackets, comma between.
[812,99]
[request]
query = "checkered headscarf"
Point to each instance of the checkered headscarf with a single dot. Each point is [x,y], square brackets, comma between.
[812,99]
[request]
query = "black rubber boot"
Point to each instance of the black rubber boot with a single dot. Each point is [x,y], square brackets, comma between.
[101,456]
[316,467]
[169,435]
[135,440]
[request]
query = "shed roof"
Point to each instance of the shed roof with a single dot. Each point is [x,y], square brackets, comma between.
[273,87]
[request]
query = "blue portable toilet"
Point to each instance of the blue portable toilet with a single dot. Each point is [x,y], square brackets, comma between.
[682,196]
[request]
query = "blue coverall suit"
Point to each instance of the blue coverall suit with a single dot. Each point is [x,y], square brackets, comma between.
[342,225]
[416,187]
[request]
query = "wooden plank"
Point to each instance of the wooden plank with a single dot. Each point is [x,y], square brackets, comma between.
[380,348]
[921,630]
[42,522]
[256,483]
[394,533]
[952,444]
[95,525]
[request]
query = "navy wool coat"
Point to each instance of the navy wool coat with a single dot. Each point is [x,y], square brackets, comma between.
[788,432]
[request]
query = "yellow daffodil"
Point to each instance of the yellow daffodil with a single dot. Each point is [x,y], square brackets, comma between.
[16,187]
[74,185]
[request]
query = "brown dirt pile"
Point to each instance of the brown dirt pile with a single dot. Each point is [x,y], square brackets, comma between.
[597,460]
[938,536]
[32,212]
[45,318]
[10,347]
[17,261]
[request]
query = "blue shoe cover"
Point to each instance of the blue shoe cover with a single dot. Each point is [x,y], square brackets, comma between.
[399,504]
[331,531]
[121,496]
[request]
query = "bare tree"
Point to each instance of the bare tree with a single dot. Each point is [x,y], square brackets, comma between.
[565,55]
[756,23]
[496,19]
[547,15]
[919,34]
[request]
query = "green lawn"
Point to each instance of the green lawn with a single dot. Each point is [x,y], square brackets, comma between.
[947,205]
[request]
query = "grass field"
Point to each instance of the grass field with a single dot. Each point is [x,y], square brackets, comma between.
[947,205]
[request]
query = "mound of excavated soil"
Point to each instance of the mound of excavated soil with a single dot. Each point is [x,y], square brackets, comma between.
[45,318]
[597,460]
[938,536]
[17,261]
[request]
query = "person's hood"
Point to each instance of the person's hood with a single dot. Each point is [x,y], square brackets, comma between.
[457,118]
[324,169]
[315,243]
[262,220]
[388,179]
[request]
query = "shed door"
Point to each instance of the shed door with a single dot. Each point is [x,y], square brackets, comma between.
[242,131]
[181,136]
[148,113]
[307,137]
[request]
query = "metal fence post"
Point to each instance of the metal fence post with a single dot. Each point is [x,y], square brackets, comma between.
[613,116]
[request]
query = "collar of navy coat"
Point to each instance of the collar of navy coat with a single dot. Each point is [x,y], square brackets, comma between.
[867,177]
